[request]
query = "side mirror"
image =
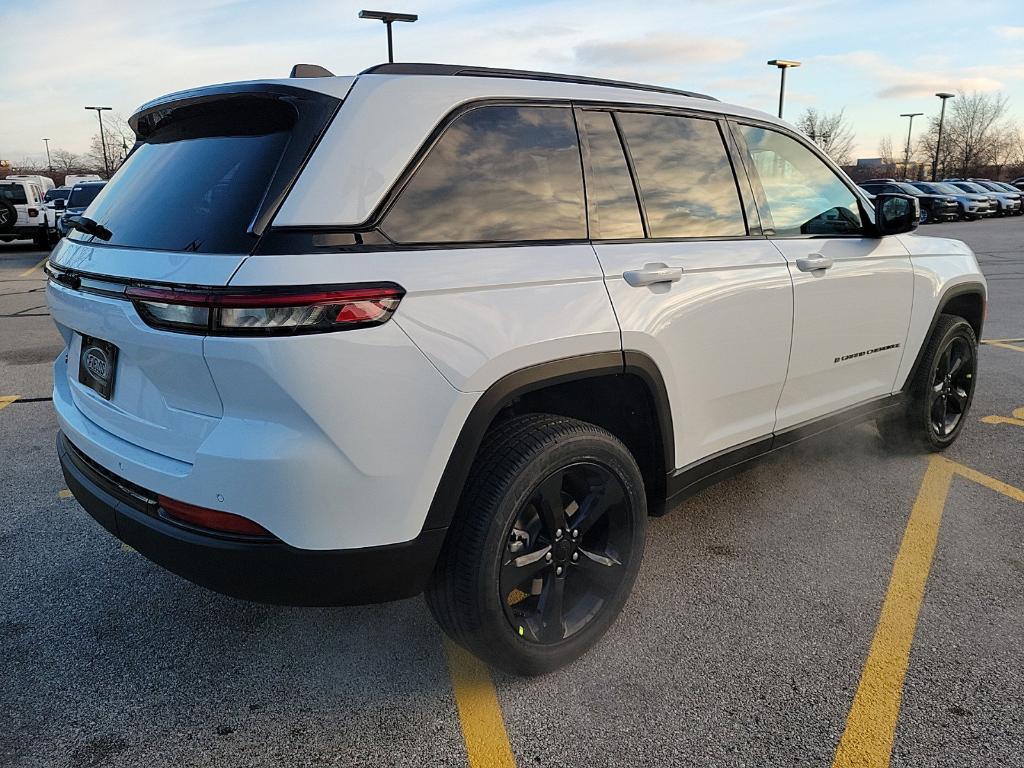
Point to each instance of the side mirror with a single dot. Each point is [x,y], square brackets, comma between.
[896,214]
[59,204]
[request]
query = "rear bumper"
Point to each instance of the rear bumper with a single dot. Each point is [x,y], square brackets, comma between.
[267,572]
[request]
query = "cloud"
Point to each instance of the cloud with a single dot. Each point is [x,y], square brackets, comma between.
[929,86]
[658,50]
[1010,33]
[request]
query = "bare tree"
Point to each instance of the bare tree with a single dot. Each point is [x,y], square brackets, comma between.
[830,131]
[975,136]
[65,162]
[885,151]
[119,140]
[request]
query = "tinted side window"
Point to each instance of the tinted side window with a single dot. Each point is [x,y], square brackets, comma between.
[497,173]
[804,195]
[610,194]
[684,174]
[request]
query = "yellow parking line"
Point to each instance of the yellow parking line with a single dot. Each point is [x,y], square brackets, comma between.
[30,270]
[63,493]
[483,728]
[1004,345]
[989,341]
[6,400]
[870,726]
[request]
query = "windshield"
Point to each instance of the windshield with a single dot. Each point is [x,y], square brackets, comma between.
[56,194]
[910,189]
[196,182]
[81,196]
[13,193]
[971,187]
[946,189]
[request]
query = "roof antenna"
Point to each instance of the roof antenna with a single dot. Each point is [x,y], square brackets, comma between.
[310,70]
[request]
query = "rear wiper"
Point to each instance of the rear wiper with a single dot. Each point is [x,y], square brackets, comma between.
[90,227]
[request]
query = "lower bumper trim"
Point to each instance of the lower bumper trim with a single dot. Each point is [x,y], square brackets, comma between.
[266,572]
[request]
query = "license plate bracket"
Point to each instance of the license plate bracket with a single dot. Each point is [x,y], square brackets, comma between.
[97,366]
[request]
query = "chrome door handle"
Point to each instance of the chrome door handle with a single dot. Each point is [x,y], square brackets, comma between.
[813,263]
[652,274]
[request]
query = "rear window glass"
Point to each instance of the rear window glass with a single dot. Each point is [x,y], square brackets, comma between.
[13,193]
[610,192]
[497,174]
[56,194]
[197,181]
[80,197]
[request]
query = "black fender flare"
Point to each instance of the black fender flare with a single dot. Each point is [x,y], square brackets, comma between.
[513,385]
[960,289]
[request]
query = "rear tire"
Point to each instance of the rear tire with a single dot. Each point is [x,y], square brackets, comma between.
[940,396]
[545,544]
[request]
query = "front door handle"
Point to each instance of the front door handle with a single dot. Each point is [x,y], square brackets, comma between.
[813,263]
[652,274]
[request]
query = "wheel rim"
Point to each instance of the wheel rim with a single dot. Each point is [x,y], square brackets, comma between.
[952,381]
[566,553]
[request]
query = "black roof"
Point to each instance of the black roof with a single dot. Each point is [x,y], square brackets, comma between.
[459,70]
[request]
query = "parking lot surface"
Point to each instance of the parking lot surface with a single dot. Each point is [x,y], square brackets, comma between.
[753,637]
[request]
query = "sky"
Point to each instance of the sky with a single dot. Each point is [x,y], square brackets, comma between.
[873,58]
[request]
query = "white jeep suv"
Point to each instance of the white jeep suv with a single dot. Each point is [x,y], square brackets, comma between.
[23,212]
[334,340]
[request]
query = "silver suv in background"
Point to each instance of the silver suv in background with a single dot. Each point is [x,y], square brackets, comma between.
[1001,202]
[970,205]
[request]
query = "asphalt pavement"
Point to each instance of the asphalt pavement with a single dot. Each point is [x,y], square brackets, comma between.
[744,644]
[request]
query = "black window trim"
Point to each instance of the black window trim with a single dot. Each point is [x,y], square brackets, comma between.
[764,210]
[300,239]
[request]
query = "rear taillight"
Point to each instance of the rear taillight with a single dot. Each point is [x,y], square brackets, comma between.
[33,212]
[211,519]
[265,311]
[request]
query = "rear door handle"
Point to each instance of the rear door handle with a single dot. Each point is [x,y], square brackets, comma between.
[652,274]
[813,263]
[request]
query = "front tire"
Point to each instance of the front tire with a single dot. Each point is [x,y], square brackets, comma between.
[545,545]
[941,393]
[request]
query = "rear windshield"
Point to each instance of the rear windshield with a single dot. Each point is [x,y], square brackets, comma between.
[13,193]
[196,182]
[56,194]
[80,197]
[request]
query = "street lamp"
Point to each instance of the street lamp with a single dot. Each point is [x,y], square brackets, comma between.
[938,141]
[103,139]
[388,17]
[49,163]
[906,156]
[782,64]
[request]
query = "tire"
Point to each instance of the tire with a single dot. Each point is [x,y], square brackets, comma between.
[8,217]
[42,240]
[502,614]
[926,217]
[939,398]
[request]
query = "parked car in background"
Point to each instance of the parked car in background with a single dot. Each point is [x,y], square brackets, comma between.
[52,208]
[934,206]
[1001,204]
[45,183]
[1005,191]
[22,215]
[970,206]
[79,199]
[1018,182]
[71,179]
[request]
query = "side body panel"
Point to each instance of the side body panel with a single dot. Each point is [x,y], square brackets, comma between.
[941,267]
[720,335]
[849,324]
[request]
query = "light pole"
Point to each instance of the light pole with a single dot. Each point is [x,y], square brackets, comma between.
[49,163]
[782,64]
[938,141]
[906,156]
[103,139]
[388,17]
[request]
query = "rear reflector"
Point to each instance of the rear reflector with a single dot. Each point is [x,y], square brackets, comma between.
[266,311]
[211,519]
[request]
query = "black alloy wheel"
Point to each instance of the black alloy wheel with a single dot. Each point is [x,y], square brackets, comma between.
[545,544]
[952,386]
[939,396]
[567,552]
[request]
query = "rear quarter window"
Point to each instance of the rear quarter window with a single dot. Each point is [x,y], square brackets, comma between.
[496,174]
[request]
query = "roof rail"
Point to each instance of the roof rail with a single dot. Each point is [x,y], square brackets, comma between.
[459,70]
